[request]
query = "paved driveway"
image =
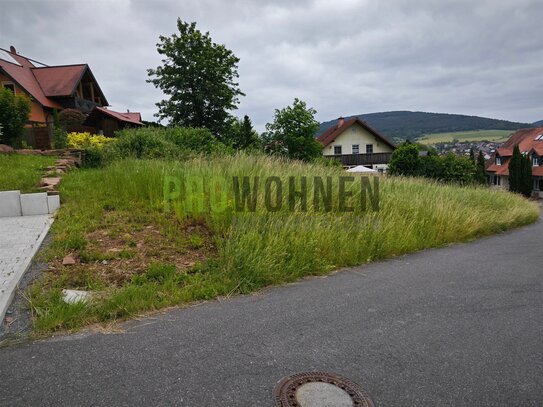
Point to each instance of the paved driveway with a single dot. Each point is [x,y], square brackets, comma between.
[459,326]
[20,238]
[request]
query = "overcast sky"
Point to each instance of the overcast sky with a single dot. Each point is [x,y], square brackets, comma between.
[342,57]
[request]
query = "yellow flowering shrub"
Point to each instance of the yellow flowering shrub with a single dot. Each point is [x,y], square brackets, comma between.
[86,140]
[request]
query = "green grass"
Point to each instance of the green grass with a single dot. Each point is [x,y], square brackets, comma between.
[476,135]
[22,172]
[253,250]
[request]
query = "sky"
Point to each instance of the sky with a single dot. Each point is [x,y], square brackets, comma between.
[342,57]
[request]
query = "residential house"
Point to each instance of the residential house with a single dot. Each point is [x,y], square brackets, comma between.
[56,88]
[354,142]
[530,142]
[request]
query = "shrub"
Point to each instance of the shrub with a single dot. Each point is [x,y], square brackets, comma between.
[14,113]
[71,117]
[87,140]
[169,143]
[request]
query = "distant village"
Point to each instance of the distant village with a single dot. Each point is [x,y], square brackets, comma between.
[464,147]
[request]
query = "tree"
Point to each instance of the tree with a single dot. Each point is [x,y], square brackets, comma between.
[292,132]
[472,154]
[526,184]
[242,135]
[515,170]
[199,77]
[405,160]
[520,173]
[480,173]
[14,113]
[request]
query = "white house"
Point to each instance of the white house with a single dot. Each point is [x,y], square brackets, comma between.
[355,142]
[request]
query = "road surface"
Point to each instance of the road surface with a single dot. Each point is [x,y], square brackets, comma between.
[458,326]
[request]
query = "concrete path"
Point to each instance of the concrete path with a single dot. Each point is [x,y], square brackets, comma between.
[20,238]
[459,326]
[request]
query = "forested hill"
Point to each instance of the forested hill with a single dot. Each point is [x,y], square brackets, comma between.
[401,125]
[539,123]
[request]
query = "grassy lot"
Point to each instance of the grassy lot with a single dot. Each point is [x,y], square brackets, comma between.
[476,135]
[137,256]
[22,172]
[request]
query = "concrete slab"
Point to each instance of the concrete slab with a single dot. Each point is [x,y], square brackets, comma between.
[53,203]
[10,203]
[34,204]
[20,239]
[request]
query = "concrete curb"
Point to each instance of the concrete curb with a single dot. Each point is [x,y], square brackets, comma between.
[7,297]
[13,203]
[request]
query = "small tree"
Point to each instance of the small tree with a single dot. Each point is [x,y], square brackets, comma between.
[480,174]
[293,132]
[242,135]
[526,184]
[14,113]
[199,78]
[405,160]
[515,171]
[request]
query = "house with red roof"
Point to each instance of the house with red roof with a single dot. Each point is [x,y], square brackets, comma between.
[530,142]
[354,142]
[59,87]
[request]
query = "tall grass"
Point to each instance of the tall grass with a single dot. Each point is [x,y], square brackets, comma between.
[255,249]
[22,172]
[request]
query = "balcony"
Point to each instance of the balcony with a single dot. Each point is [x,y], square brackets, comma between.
[362,159]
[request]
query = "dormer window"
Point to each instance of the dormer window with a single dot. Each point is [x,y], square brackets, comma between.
[535,160]
[539,138]
[498,160]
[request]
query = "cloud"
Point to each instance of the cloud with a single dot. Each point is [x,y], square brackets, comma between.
[342,57]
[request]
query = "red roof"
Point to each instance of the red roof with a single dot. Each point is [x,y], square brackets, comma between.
[527,140]
[130,117]
[335,131]
[59,80]
[43,82]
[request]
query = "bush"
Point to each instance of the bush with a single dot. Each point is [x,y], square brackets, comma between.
[93,157]
[71,117]
[169,143]
[87,140]
[14,113]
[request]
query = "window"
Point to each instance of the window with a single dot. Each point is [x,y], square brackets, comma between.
[356,148]
[539,138]
[369,148]
[535,160]
[498,160]
[9,86]
[496,180]
[337,150]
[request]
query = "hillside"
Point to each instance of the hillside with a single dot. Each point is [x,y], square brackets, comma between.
[539,123]
[401,125]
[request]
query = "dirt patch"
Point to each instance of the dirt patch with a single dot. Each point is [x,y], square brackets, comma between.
[116,251]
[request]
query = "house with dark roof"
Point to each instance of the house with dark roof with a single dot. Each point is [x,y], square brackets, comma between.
[354,142]
[530,142]
[59,87]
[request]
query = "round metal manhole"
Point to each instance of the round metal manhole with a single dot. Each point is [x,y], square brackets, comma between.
[319,389]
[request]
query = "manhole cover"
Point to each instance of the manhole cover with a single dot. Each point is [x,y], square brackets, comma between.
[319,389]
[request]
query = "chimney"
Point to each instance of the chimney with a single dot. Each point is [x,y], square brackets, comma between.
[340,121]
[12,49]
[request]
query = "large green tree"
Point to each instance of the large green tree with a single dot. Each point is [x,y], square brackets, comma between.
[14,113]
[199,77]
[292,132]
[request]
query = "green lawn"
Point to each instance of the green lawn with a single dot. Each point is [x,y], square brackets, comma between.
[114,220]
[22,172]
[476,135]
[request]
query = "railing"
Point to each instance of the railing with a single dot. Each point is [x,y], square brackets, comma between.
[362,159]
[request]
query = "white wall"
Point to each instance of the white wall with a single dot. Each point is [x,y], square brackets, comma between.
[356,134]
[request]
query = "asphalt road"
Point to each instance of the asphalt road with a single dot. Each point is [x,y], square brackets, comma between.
[459,326]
